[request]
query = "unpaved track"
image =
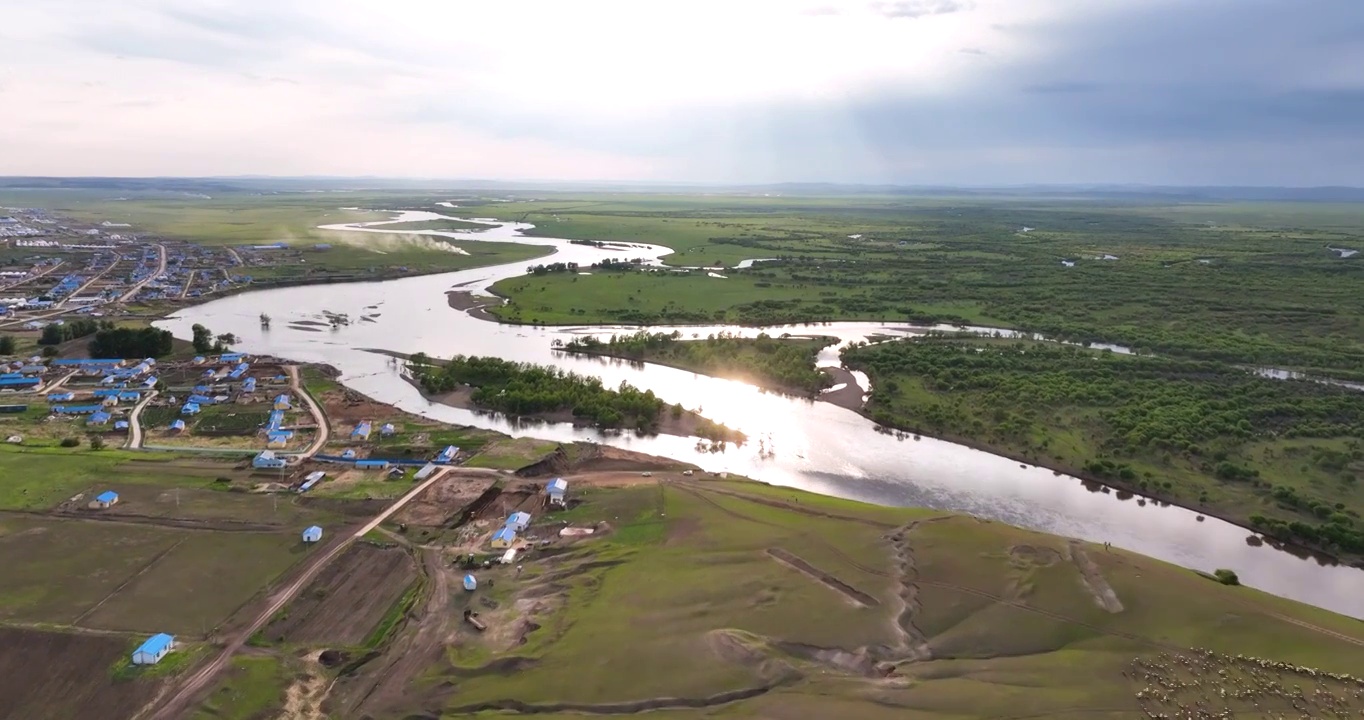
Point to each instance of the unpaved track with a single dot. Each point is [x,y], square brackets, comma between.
[135,422]
[160,269]
[324,430]
[850,593]
[192,687]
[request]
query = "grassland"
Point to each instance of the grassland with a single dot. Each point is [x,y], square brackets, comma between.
[254,685]
[512,453]
[1248,283]
[683,598]
[1286,457]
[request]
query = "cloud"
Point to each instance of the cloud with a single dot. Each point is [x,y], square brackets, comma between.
[978,91]
[918,8]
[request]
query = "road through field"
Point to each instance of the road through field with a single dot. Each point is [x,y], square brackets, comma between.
[190,689]
[323,425]
[135,422]
[160,269]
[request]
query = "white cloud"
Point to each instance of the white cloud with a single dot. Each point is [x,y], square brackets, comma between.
[591,89]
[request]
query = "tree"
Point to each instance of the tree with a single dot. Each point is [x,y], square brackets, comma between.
[203,339]
[7,345]
[50,352]
[131,343]
[96,442]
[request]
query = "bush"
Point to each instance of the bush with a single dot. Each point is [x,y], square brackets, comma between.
[1226,577]
[96,442]
[71,442]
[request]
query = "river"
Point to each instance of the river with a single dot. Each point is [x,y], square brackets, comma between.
[810,445]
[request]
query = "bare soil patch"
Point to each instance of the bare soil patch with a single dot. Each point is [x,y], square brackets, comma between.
[54,675]
[443,502]
[466,300]
[849,396]
[1093,579]
[343,604]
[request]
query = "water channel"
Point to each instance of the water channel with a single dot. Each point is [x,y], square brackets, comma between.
[794,442]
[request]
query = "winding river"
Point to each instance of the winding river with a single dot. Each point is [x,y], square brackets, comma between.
[814,446]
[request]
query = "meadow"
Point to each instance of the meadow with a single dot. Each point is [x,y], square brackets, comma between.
[770,602]
[1251,283]
[1202,433]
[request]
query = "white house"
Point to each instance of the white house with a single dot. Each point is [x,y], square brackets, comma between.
[518,521]
[556,490]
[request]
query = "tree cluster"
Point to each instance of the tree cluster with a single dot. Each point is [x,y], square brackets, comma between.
[131,343]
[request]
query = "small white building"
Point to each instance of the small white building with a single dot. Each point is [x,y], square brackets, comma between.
[312,534]
[556,489]
[518,521]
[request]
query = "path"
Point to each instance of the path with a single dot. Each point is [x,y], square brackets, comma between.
[323,426]
[88,283]
[161,268]
[189,280]
[135,422]
[57,383]
[190,689]
[233,252]
[33,277]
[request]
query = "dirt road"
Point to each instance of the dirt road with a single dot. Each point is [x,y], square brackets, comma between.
[193,686]
[161,268]
[324,430]
[135,422]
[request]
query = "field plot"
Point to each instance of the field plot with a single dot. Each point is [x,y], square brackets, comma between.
[344,604]
[208,508]
[513,453]
[200,582]
[53,675]
[56,570]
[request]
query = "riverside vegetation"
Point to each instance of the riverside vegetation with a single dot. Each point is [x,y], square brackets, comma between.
[1283,456]
[525,389]
[786,364]
[1252,283]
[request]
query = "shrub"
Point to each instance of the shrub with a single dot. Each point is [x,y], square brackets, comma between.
[96,442]
[1226,577]
[71,442]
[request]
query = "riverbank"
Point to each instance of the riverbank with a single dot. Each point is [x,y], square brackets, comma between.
[687,424]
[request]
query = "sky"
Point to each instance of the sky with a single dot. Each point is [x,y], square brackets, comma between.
[938,92]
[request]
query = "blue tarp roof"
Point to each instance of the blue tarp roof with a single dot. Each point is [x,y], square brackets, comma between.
[107,496]
[155,644]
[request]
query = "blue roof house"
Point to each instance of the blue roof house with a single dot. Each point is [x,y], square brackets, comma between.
[155,648]
[504,538]
[447,455]
[371,464]
[278,439]
[312,534]
[282,402]
[178,426]
[518,521]
[470,583]
[190,409]
[361,431]
[99,418]
[121,425]
[61,397]
[105,499]
[267,460]
[387,429]
[556,489]
[348,454]
[249,385]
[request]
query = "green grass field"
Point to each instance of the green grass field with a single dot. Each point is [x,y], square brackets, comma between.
[512,453]
[683,600]
[252,687]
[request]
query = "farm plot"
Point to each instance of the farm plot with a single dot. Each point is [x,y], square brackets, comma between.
[345,603]
[57,570]
[209,508]
[54,675]
[199,583]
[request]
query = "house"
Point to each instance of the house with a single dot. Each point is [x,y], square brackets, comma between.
[200,399]
[75,409]
[556,490]
[470,583]
[361,431]
[348,454]
[312,534]
[518,521]
[178,426]
[121,425]
[508,557]
[426,472]
[267,460]
[277,439]
[310,480]
[231,357]
[149,383]
[99,418]
[190,409]
[108,498]
[371,464]
[20,383]
[387,429]
[61,397]
[447,455]
[282,402]
[249,385]
[155,648]
[504,538]
[200,359]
